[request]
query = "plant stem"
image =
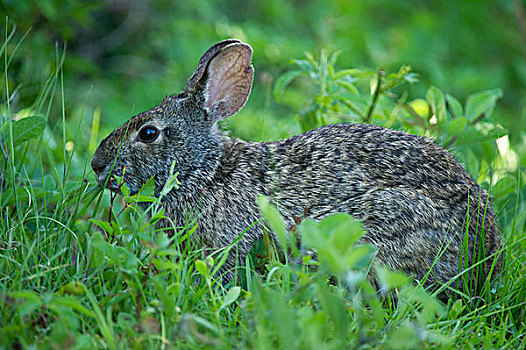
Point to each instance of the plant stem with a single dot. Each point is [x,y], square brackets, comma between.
[375,96]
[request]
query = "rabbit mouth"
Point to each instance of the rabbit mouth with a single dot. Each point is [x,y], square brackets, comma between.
[114,184]
[111,184]
[114,181]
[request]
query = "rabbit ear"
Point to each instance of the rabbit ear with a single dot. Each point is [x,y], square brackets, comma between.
[203,63]
[224,78]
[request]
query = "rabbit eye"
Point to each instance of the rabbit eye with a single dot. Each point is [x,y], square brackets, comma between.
[148,134]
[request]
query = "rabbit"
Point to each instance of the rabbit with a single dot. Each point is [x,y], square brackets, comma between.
[414,200]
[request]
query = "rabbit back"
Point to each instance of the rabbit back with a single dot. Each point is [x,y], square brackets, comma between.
[412,197]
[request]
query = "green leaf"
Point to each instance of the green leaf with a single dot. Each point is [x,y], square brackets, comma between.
[167,300]
[411,78]
[163,241]
[308,65]
[27,128]
[456,126]
[455,107]
[73,304]
[158,216]
[103,225]
[456,309]
[30,302]
[283,81]
[359,256]
[148,189]
[333,57]
[391,279]
[430,306]
[230,297]
[334,239]
[201,267]
[116,256]
[124,189]
[72,287]
[22,196]
[190,320]
[307,117]
[335,308]
[346,72]
[171,183]
[348,86]
[482,102]
[139,198]
[436,100]
[420,107]
[273,218]
[404,337]
[505,186]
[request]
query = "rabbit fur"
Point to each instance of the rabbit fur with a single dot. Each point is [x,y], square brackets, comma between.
[412,197]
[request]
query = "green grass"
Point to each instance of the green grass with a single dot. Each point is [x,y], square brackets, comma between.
[78,272]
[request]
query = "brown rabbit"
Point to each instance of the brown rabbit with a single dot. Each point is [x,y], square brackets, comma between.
[412,197]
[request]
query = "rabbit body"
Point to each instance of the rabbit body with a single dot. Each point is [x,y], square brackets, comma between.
[411,196]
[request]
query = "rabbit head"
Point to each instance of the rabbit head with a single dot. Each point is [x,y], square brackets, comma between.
[183,128]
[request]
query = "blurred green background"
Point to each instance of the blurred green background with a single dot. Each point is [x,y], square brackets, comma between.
[125,56]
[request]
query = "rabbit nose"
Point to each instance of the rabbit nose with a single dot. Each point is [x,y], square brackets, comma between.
[97,164]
